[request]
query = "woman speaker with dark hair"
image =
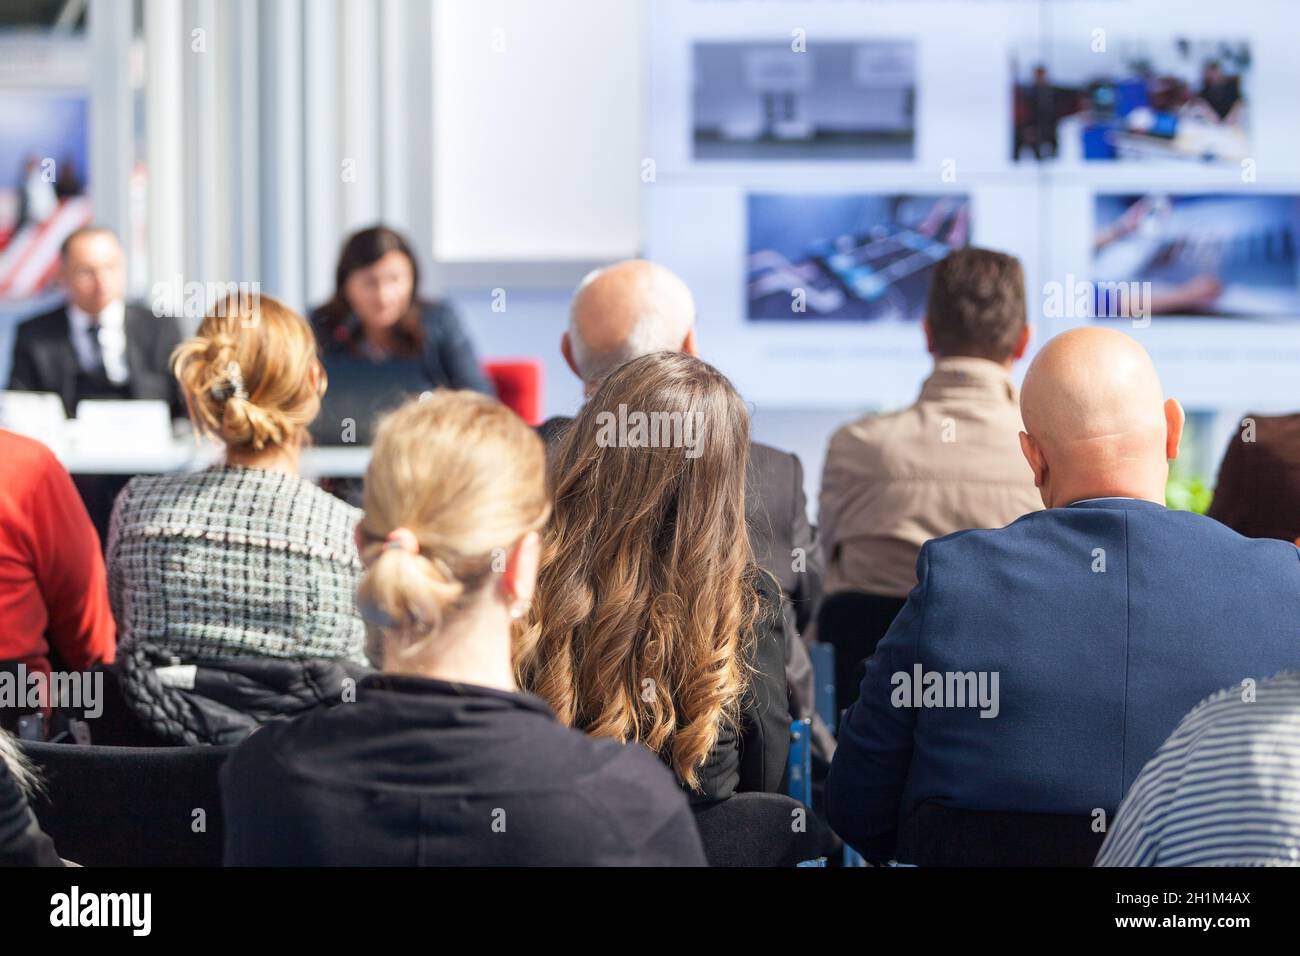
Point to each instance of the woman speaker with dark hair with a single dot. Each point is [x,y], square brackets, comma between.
[380,341]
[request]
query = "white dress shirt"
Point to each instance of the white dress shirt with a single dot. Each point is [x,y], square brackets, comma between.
[112,340]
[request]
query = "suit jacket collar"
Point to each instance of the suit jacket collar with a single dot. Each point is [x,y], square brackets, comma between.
[1124,504]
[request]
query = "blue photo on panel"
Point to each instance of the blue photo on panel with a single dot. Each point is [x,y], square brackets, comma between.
[1204,254]
[848,257]
[1132,99]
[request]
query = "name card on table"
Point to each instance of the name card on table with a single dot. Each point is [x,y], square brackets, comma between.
[127,428]
[37,415]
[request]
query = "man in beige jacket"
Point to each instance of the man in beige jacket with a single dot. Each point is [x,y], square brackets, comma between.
[951,461]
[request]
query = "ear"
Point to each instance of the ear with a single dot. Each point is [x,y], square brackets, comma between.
[1023,344]
[1034,455]
[1174,421]
[688,343]
[929,336]
[519,579]
[566,349]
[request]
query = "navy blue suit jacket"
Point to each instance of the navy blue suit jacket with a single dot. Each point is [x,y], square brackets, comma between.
[1095,667]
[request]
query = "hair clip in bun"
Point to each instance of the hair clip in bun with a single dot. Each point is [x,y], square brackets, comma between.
[237,380]
[236,388]
[404,540]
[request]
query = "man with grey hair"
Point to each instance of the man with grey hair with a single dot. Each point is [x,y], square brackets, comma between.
[622,312]
[636,307]
[619,313]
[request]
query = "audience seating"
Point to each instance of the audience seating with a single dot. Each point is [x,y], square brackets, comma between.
[519,386]
[131,806]
[853,623]
[938,835]
[761,829]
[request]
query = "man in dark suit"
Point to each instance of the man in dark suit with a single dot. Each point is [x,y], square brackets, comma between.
[1035,668]
[635,307]
[96,346]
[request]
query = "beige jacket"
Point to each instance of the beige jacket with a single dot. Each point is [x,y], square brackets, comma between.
[892,482]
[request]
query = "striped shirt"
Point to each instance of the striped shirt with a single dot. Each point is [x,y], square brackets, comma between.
[1224,790]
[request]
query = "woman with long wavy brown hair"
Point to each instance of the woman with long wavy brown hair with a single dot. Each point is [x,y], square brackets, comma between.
[652,622]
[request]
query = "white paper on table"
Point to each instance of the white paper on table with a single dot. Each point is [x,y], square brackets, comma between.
[37,415]
[127,428]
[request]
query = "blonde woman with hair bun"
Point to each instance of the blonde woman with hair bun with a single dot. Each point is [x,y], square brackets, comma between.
[233,587]
[441,760]
[252,380]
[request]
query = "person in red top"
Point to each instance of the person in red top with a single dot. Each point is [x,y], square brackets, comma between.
[53,587]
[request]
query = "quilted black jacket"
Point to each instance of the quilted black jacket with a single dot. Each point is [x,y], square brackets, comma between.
[223,700]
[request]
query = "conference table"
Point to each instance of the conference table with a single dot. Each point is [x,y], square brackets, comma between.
[123,438]
[343,461]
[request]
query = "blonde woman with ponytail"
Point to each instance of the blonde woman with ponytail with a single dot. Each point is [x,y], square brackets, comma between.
[440,759]
[233,587]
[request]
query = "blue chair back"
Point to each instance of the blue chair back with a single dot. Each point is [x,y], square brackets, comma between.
[825,703]
[799,767]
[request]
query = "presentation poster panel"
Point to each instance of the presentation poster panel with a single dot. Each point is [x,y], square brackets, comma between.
[815,161]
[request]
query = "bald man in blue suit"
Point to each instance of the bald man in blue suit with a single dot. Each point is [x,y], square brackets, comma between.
[1036,668]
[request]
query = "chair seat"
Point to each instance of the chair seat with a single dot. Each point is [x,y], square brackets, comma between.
[761,829]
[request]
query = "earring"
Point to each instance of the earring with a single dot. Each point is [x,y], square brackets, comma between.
[519,609]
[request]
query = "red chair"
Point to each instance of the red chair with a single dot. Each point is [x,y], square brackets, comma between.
[519,386]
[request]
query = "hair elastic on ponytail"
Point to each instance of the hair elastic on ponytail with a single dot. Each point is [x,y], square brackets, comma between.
[371,614]
[404,540]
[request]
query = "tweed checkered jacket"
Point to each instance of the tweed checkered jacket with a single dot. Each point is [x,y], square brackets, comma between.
[235,562]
